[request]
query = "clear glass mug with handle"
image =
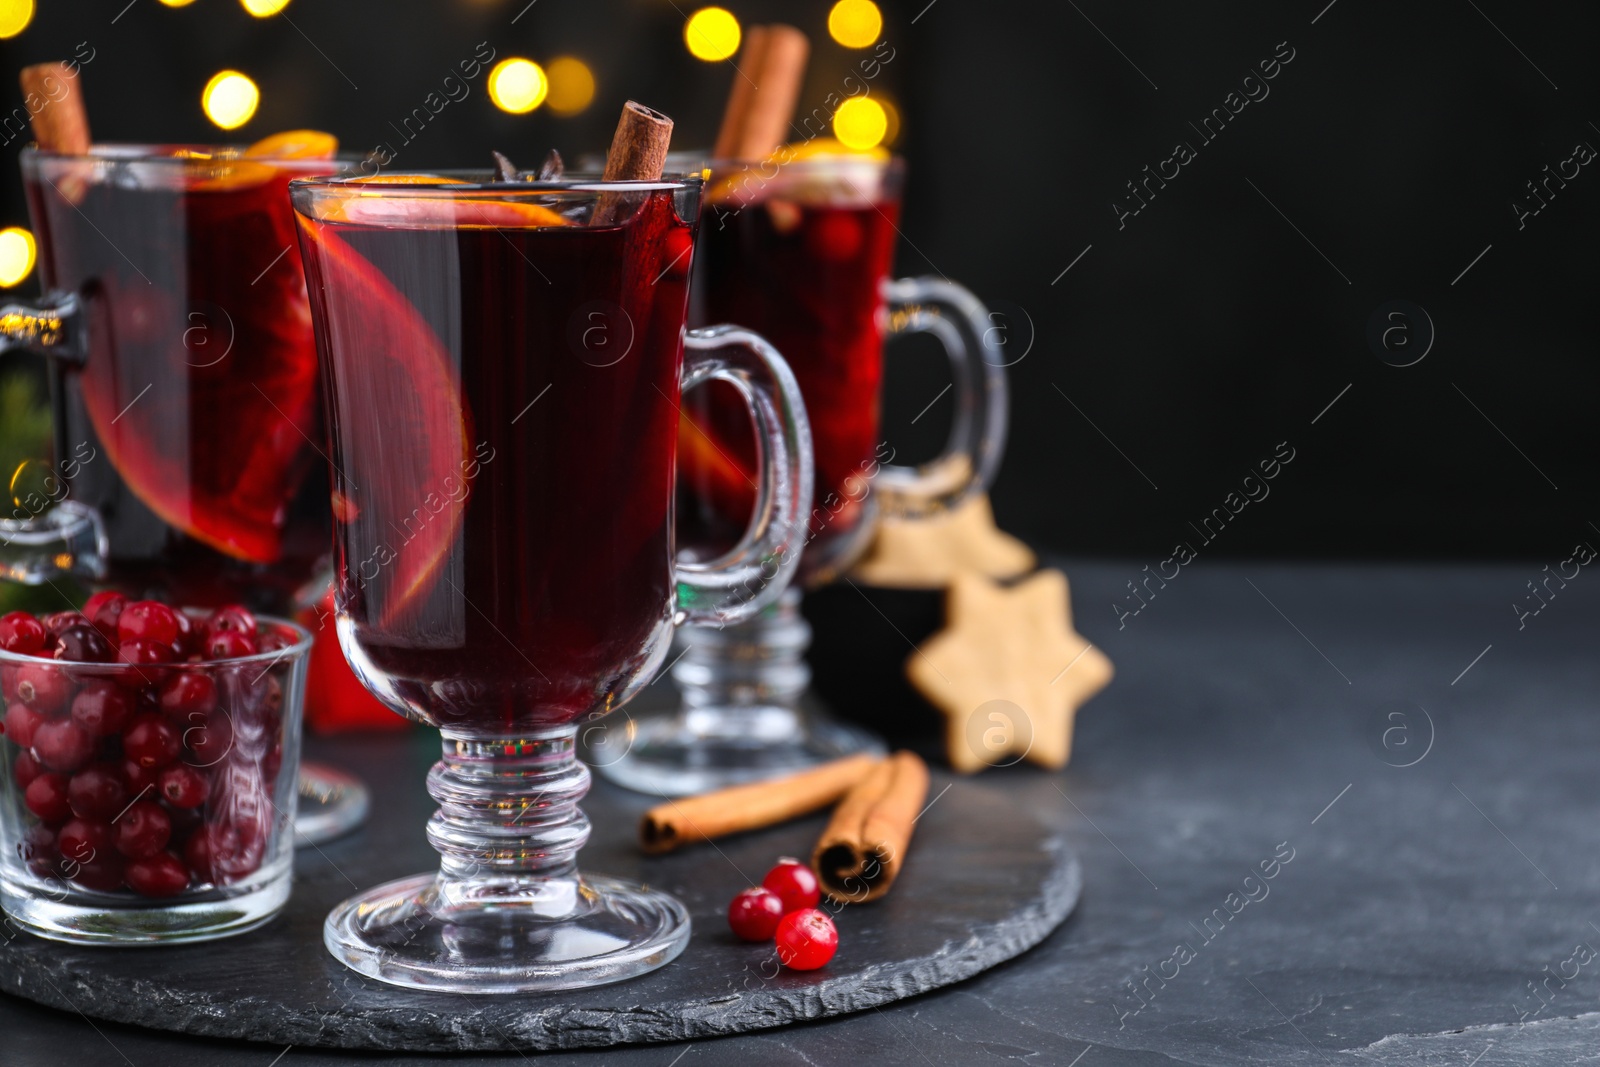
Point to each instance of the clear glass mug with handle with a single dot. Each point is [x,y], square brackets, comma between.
[503,367]
[184,395]
[800,249]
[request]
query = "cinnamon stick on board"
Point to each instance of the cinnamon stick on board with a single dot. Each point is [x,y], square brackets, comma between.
[60,124]
[749,807]
[638,153]
[862,850]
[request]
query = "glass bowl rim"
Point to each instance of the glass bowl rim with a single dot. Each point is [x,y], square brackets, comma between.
[304,639]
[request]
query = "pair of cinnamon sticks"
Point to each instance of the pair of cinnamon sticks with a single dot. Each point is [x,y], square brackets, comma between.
[861,852]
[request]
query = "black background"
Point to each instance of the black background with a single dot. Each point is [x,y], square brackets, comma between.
[1181,348]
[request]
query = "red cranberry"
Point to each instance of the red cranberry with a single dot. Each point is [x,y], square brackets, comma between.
[151,741]
[754,914]
[188,693]
[45,686]
[138,779]
[269,695]
[21,722]
[61,745]
[108,602]
[210,739]
[148,620]
[806,939]
[38,850]
[102,709]
[276,639]
[57,621]
[188,641]
[161,875]
[143,653]
[97,792]
[46,797]
[8,682]
[81,840]
[271,763]
[230,644]
[219,853]
[22,633]
[143,830]
[794,883]
[25,769]
[104,872]
[82,643]
[235,618]
[182,786]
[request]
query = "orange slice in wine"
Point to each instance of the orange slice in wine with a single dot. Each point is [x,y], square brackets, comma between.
[404,179]
[295,144]
[388,209]
[707,466]
[235,172]
[392,368]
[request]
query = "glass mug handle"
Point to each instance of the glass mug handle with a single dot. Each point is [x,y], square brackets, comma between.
[971,457]
[36,547]
[760,567]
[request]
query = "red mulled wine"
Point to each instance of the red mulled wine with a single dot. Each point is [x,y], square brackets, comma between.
[799,254]
[190,424]
[502,393]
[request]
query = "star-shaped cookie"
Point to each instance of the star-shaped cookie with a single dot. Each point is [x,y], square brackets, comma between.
[927,553]
[1008,671]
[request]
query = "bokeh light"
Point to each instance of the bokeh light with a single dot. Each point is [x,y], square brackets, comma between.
[17,252]
[230,99]
[712,34]
[15,16]
[177,3]
[891,115]
[263,8]
[571,85]
[860,123]
[855,23]
[517,85]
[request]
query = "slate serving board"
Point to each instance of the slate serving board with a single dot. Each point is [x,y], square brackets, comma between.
[984,881]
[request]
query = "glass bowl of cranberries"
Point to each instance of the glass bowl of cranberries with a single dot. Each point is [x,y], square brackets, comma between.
[148,760]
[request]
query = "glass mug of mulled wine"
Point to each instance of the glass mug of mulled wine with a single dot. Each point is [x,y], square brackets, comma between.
[800,250]
[503,363]
[184,391]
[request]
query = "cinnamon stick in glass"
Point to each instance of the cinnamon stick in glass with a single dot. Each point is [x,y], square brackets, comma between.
[766,87]
[783,71]
[861,852]
[746,70]
[60,123]
[749,807]
[638,153]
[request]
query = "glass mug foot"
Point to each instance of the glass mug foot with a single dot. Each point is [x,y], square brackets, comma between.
[331,804]
[562,933]
[507,912]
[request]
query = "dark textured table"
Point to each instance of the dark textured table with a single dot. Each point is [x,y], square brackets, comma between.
[1410,761]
